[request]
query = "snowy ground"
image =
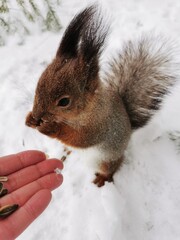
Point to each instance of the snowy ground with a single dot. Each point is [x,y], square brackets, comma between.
[144,201]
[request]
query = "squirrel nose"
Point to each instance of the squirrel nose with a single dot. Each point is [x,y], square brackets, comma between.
[45,117]
[32,121]
[38,120]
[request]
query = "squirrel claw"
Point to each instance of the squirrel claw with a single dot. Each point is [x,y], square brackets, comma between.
[101,179]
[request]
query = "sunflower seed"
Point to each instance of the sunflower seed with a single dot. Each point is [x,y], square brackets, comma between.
[1,187]
[3,192]
[8,210]
[69,152]
[3,179]
[63,158]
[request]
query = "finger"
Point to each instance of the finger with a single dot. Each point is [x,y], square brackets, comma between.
[20,196]
[15,162]
[15,224]
[31,173]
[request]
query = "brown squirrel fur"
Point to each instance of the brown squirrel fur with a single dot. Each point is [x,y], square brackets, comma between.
[72,104]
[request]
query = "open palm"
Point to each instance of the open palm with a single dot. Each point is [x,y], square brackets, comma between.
[31,178]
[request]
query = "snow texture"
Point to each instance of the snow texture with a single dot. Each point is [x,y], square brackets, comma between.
[144,201]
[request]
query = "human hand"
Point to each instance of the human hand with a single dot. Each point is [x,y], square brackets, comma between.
[31,178]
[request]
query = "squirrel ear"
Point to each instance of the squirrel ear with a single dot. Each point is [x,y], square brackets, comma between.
[70,41]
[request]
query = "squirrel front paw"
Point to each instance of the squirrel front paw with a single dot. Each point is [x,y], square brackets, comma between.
[100,179]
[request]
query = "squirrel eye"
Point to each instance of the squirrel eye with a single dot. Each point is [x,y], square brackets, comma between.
[64,102]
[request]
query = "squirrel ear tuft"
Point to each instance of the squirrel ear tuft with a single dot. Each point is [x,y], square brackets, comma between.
[91,46]
[71,38]
[92,41]
[93,37]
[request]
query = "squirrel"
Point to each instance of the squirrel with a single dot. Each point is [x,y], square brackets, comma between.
[75,106]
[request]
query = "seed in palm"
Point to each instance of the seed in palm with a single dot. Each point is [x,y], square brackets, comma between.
[8,210]
[3,179]
[3,191]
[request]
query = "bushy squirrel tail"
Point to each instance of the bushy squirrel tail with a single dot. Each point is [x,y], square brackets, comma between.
[144,73]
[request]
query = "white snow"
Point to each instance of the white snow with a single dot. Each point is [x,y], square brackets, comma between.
[144,201]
